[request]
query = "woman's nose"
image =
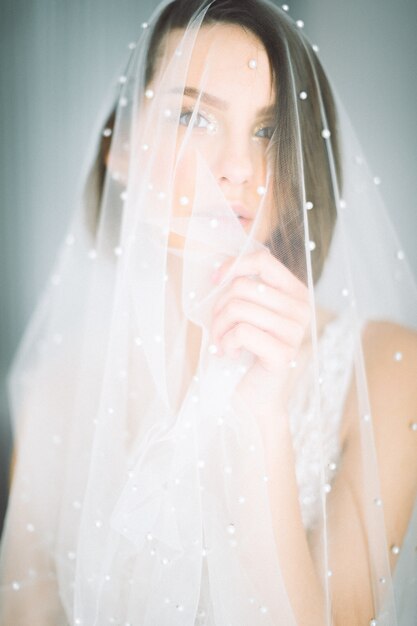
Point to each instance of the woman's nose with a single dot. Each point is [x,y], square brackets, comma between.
[235,163]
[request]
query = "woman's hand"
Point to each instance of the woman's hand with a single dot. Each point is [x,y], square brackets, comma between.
[268,317]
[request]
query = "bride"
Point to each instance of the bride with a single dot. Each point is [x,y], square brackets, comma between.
[215,408]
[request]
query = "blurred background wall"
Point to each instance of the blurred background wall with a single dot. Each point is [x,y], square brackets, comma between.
[57,62]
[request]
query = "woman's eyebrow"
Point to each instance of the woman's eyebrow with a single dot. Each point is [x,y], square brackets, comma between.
[192,92]
[211,100]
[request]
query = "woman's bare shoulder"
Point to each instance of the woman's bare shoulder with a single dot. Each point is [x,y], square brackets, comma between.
[383,328]
[390,355]
[390,352]
[390,358]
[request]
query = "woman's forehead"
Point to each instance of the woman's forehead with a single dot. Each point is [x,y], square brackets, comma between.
[227,62]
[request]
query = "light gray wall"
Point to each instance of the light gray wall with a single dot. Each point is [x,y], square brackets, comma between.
[56,61]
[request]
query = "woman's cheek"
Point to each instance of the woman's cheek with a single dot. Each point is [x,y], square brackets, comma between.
[184,185]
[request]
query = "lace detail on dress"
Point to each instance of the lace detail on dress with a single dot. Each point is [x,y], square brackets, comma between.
[335,355]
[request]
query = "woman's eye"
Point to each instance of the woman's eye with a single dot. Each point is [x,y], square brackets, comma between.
[199,120]
[265,132]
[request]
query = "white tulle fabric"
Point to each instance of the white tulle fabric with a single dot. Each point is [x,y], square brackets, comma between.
[140,494]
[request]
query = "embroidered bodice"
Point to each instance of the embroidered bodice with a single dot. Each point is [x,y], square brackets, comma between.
[312,443]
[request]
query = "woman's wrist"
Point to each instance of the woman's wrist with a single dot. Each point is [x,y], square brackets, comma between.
[273,424]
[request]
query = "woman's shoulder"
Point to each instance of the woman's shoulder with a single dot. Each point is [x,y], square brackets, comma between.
[390,355]
[389,329]
[390,352]
[390,359]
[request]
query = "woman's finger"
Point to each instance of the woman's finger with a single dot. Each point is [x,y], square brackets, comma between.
[273,353]
[246,289]
[271,272]
[286,330]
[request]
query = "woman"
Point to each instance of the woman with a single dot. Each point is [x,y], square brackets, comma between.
[215,379]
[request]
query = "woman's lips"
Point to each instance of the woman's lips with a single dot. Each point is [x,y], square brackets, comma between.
[242,212]
[244,221]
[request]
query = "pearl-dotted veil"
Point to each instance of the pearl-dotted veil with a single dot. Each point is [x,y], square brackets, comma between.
[140,487]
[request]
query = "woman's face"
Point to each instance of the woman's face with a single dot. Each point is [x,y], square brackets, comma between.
[233,122]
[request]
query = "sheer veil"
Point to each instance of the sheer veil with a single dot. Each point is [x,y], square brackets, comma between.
[140,492]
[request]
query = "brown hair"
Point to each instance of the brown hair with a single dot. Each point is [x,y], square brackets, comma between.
[281,39]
